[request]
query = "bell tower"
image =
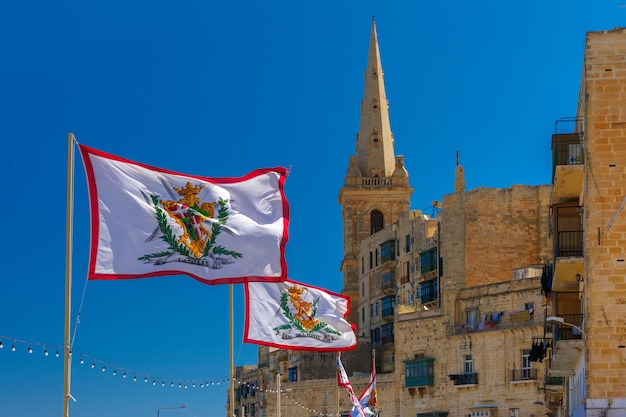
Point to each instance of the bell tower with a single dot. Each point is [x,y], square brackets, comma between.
[376,188]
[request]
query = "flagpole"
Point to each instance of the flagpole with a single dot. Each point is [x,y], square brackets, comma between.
[278,375]
[68,273]
[232,354]
[337,392]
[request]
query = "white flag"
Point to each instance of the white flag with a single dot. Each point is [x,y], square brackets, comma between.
[291,315]
[147,221]
[342,381]
[368,400]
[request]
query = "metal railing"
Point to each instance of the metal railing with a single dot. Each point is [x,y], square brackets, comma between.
[464,379]
[570,243]
[525,374]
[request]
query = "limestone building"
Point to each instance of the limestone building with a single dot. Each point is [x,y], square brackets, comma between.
[588,299]
[500,302]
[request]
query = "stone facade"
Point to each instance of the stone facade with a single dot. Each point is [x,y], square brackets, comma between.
[589,284]
[507,302]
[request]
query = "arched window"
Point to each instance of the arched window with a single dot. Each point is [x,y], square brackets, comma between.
[376,221]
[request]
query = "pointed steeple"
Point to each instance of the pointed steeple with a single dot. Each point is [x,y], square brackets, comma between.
[375,154]
[376,190]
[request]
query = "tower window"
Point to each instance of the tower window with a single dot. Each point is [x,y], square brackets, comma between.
[376,221]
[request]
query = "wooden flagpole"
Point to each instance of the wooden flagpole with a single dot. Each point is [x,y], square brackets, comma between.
[68,274]
[231,360]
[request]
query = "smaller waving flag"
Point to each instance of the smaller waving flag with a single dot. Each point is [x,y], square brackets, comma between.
[292,315]
[148,221]
[342,381]
[368,400]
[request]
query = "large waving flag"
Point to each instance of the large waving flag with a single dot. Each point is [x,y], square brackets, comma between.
[291,315]
[368,400]
[148,221]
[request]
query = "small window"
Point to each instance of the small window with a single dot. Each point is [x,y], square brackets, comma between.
[388,251]
[468,366]
[428,261]
[472,316]
[376,221]
[429,290]
[526,364]
[293,374]
[407,244]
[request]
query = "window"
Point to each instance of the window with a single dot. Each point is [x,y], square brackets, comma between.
[419,372]
[526,364]
[428,261]
[293,374]
[372,310]
[513,412]
[376,308]
[386,332]
[362,315]
[407,244]
[429,291]
[376,257]
[371,260]
[387,281]
[406,276]
[375,335]
[387,304]
[472,316]
[376,221]
[529,306]
[388,251]
[362,265]
[468,365]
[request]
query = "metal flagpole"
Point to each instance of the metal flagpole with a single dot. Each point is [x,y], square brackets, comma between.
[232,354]
[68,273]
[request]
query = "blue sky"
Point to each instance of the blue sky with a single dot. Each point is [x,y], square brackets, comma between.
[219,89]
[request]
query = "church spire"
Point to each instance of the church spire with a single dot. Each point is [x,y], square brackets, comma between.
[375,154]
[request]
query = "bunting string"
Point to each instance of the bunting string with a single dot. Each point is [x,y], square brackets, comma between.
[13,345]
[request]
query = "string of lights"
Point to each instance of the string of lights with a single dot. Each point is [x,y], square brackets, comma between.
[104,366]
[125,373]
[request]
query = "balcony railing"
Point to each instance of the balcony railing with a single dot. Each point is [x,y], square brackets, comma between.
[464,379]
[497,322]
[555,380]
[570,243]
[526,374]
[564,332]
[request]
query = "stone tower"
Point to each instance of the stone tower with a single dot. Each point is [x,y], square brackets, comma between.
[376,189]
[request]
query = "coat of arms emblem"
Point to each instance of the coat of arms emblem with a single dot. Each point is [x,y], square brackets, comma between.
[302,318]
[199,224]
